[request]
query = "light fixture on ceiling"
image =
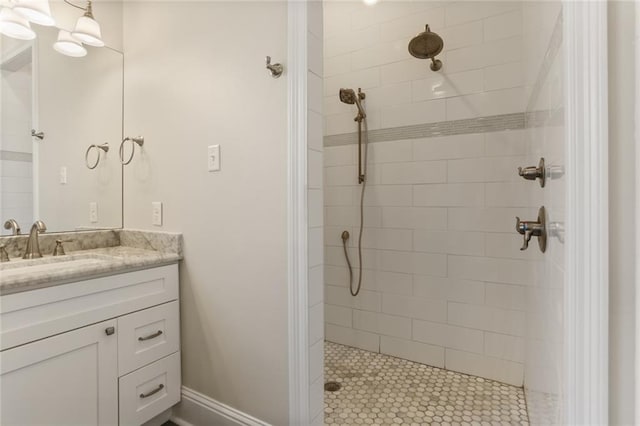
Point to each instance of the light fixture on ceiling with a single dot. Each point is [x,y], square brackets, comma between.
[68,45]
[370,2]
[36,11]
[87,29]
[14,25]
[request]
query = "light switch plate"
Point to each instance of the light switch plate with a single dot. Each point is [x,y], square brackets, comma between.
[63,175]
[93,212]
[213,158]
[156,213]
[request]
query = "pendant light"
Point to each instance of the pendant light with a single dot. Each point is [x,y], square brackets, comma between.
[68,45]
[15,26]
[36,11]
[87,29]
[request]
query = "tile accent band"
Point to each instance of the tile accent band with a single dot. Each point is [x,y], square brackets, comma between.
[16,156]
[493,123]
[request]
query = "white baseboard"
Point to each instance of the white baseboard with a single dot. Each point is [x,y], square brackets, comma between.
[197,409]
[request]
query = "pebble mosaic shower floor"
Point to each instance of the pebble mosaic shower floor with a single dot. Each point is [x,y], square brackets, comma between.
[379,389]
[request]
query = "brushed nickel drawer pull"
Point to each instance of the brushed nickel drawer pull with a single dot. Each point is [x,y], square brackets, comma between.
[153,392]
[151,336]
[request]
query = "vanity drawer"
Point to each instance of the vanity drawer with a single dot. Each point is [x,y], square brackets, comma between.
[149,391]
[148,335]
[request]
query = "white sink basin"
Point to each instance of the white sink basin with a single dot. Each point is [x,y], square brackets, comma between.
[51,264]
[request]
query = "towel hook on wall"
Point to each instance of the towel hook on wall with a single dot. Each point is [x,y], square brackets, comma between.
[275,69]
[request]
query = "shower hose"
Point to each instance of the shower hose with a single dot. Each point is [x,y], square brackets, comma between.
[345,234]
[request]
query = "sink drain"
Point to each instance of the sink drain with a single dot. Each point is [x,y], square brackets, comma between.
[332,386]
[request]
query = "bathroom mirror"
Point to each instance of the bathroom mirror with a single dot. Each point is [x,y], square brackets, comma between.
[68,104]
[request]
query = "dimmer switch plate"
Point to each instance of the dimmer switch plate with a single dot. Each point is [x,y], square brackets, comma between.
[156,213]
[213,158]
[93,212]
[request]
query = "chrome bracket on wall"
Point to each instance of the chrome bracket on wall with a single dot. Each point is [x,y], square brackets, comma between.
[534,229]
[533,173]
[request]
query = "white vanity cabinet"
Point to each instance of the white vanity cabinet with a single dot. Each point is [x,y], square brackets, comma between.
[68,379]
[104,351]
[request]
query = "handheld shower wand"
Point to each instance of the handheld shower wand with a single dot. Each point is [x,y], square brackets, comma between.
[349,96]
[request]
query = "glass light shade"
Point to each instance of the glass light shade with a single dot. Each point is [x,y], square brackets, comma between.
[36,11]
[68,45]
[87,30]
[15,26]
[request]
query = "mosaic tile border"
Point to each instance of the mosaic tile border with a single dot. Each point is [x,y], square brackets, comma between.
[16,156]
[545,118]
[493,123]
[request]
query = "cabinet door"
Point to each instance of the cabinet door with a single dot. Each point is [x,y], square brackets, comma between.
[68,379]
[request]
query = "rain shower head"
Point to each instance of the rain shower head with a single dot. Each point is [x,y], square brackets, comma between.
[427,45]
[349,96]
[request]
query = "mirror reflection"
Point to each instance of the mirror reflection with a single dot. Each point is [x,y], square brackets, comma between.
[60,129]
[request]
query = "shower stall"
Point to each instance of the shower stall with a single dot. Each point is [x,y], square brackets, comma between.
[441,303]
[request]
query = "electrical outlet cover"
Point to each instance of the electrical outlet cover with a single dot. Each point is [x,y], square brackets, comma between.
[156,213]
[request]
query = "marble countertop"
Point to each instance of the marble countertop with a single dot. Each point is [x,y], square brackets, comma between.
[23,275]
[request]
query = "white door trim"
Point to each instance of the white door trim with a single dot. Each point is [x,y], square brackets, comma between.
[637,245]
[297,215]
[586,302]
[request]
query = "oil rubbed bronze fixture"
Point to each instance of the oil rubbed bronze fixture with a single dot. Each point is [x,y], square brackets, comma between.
[533,172]
[534,229]
[427,45]
[349,96]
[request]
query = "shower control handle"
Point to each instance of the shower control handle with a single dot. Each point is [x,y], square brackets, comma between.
[533,229]
[533,173]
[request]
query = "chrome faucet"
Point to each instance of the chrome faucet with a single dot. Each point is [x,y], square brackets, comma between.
[33,246]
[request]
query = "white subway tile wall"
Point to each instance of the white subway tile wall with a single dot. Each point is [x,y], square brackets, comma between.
[16,167]
[367,47]
[16,192]
[544,80]
[444,276]
[444,281]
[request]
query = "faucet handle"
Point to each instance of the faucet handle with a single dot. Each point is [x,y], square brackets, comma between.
[4,256]
[524,228]
[533,172]
[59,248]
[533,229]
